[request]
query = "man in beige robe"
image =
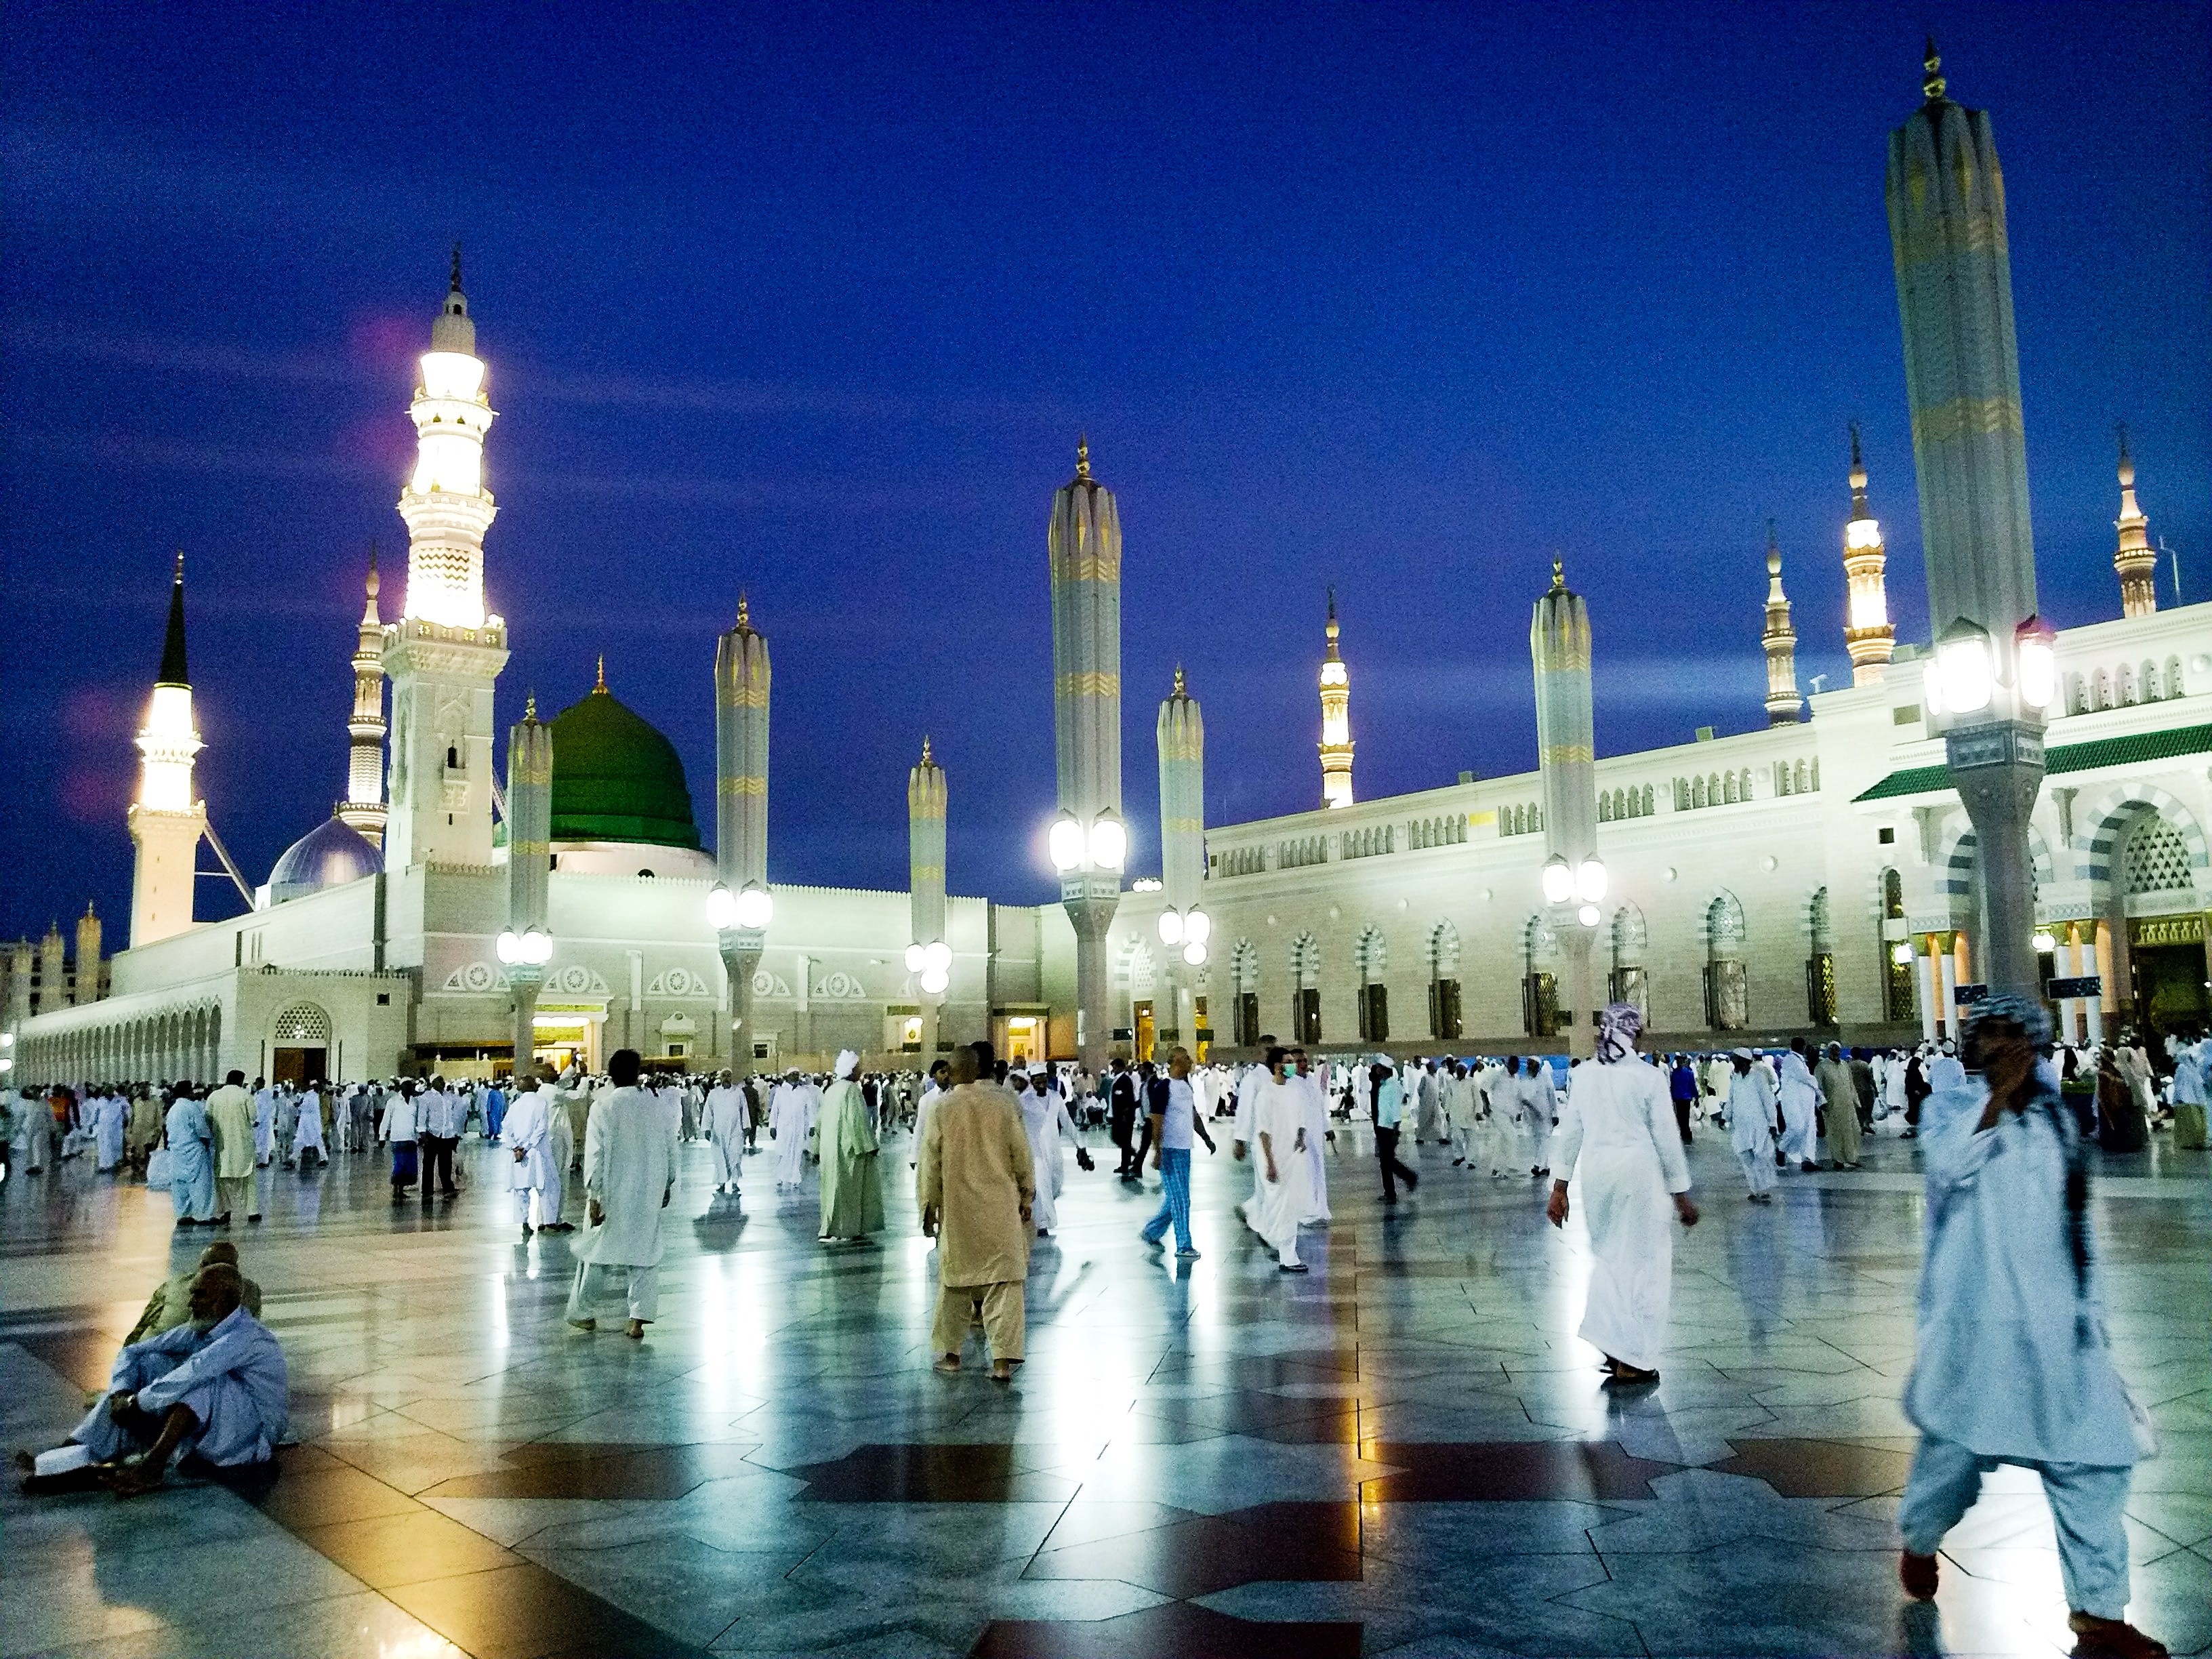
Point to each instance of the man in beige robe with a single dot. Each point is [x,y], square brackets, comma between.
[1840,1106]
[976,1185]
[230,1112]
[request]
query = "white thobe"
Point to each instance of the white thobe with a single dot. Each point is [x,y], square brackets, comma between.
[727,1113]
[308,1131]
[108,1116]
[536,1166]
[1280,1114]
[629,1167]
[1800,1103]
[1618,1142]
[1316,1123]
[1750,1127]
[1045,1122]
[264,1124]
[1247,1096]
[1540,1104]
[790,1113]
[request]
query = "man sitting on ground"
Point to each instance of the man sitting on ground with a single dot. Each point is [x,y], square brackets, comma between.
[213,1387]
[172,1301]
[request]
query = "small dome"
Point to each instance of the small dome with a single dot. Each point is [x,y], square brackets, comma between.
[331,855]
[615,779]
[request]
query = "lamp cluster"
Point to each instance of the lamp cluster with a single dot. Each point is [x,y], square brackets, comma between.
[1189,928]
[745,911]
[1103,846]
[933,961]
[531,948]
[1967,679]
[1565,883]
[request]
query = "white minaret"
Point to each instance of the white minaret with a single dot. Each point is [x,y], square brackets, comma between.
[1779,639]
[363,810]
[1335,720]
[929,956]
[1185,927]
[2135,560]
[445,652]
[168,819]
[1867,636]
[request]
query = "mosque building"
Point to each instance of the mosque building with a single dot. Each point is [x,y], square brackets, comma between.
[1816,874]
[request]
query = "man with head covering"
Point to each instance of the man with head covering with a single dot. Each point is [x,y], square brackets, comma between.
[791,1114]
[171,1302]
[1278,1134]
[538,1165]
[2014,1365]
[1800,1104]
[729,1122]
[629,1174]
[1840,1106]
[190,1139]
[852,1184]
[1540,1105]
[1050,1131]
[974,1188]
[1618,1136]
[214,1386]
[1752,1123]
[230,1113]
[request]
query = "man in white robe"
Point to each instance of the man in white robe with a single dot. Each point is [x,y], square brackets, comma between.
[264,1122]
[727,1115]
[790,1113]
[629,1174]
[1751,1115]
[1247,1101]
[1617,1136]
[1301,1072]
[1799,1102]
[108,1118]
[2014,1365]
[1278,1134]
[536,1167]
[307,1132]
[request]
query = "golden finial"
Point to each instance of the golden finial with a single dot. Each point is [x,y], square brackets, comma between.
[1773,551]
[1082,454]
[602,686]
[1932,81]
[744,614]
[1559,573]
[926,759]
[181,565]
[1179,689]
[374,582]
[529,707]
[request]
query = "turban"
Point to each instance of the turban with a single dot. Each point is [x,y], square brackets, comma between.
[1618,1028]
[847,1062]
[2026,1013]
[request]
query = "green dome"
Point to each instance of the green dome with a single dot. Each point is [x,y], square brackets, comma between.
[616,779]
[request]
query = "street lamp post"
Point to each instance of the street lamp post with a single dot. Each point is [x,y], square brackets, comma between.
[1994,675]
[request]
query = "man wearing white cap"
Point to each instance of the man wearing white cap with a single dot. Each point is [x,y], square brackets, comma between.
[729,1118]
[852,1187]
[1751,1115]
[791,1111]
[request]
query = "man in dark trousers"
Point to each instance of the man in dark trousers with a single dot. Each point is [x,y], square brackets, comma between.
[1123,1105]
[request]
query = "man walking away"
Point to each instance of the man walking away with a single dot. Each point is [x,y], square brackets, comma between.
[630,1172]
[974,1189]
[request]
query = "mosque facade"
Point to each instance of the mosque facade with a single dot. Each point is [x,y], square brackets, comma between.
[1816,875]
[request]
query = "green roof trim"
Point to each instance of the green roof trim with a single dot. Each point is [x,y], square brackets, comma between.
[2133,750]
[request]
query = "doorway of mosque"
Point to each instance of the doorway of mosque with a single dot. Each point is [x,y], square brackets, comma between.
[299,1067]
[1024,1040]
[1146,1034]
[2168,983]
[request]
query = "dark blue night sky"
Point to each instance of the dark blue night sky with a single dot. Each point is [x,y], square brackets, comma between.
[812,302]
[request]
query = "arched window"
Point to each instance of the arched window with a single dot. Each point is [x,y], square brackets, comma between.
[1369,957]
[2173,686]
[1647,800]
[1604,808]
[1443,980]
[1698,792]
[2100,695]
[1727,987]
[2155,859]
[1819,964]
[2124,686]
[2077,695]
[2147,680]
[1540,982]
[1244,986]
[1729,786]
[1305,979]
[1628,981]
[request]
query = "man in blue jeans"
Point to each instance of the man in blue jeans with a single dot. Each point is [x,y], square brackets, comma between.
[1173,1108]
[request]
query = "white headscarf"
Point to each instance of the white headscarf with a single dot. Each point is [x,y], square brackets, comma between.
[848,1063]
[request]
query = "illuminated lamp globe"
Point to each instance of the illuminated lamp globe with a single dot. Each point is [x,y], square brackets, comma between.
[1901,954]
[754,907]
[1170,928]
[2044,941]
[1065,842]
[1198,926]
[937,956]
[722,908]
[916,958]
[1589,879]
[934,982]
[2036,642]
[1194,953]
[536,945]
[1558,880]
[507,947]
[1110,842]
[1586,915]
[1964,668]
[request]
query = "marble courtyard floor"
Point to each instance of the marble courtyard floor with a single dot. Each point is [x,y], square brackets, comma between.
[1406,1451]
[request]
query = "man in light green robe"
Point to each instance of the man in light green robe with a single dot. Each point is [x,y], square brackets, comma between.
[845,1139]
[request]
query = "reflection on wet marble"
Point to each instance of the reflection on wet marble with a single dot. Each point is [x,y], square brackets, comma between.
[1406,1451]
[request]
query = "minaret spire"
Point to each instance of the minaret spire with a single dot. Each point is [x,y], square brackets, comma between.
[168,819]
[175,670]
[600,689]
[1867,636]
[2136,560]
[1783,706]
[1931,78]
[1336,718]
[363,809]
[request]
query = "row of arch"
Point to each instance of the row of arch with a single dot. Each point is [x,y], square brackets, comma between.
[1447,831]
[2124,685]
[183,1044]
[1714,789]
[1619,803]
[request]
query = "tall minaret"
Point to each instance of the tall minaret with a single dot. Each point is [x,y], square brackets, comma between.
[741,907]
[1783,706]
[1867,636]
[1566,760]
[168,819]
[929,956]
[87,957]
[1945,193]
[1335,721]
[2137,560]
[528,944]
[363,810]
[1182,739]
[445,652]
[1090,842]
